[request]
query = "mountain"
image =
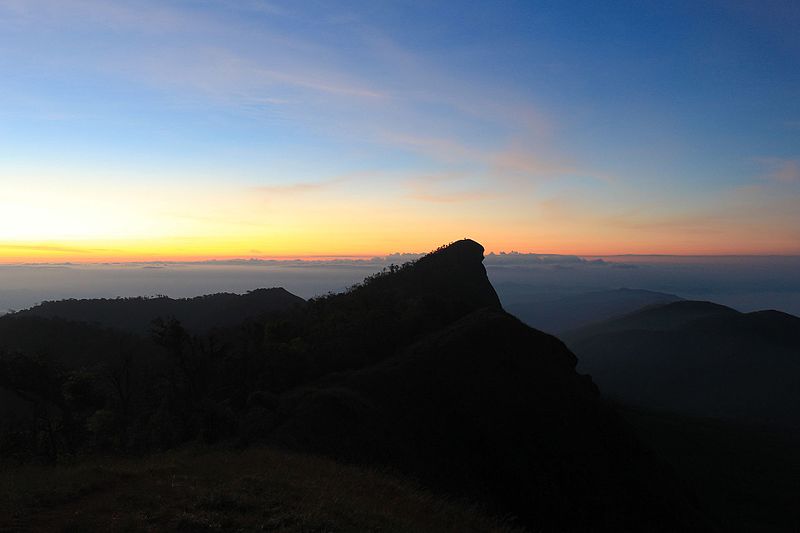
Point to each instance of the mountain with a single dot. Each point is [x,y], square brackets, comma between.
[491,410]
[559,313]
[443,385]
[72,344]
[417,370]
[698,358]
[199,314]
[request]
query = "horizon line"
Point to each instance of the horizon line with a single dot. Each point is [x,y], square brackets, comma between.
[366,258]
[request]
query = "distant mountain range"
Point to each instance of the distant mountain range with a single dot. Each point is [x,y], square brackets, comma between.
[557,314]
[199,315]
[698,358]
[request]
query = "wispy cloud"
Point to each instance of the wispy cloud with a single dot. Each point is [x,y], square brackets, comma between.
[230,62]
[450,197]
[448,188]
[296,188]
[303,187]
[521,163]
[234,62]
[150,18]
[33,247]
[781,170]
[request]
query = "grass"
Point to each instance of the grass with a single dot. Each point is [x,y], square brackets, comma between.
[746,478]
[225,490]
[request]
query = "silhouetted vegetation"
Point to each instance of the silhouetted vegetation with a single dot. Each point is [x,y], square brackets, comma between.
[226,490]
[75,387]
[199,315]
[417,369]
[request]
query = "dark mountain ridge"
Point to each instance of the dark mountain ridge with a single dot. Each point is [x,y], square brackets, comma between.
[698,358]
[441,383]
[559,313]
[199,314]
[391,309]
[417,369]
[655,317]
[490,409]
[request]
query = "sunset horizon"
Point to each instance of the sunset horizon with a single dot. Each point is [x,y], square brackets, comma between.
[400,266]
[172,130]
[38,253]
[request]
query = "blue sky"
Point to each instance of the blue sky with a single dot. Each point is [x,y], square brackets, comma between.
[371,127]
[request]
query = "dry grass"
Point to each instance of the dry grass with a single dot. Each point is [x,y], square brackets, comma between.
[225,490]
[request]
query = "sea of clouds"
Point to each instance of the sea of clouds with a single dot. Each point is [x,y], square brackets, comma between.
[747,283]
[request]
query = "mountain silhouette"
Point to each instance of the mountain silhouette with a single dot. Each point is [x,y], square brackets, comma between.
[198,315]
[698,358]
[418,369]
[71,343]
[492,410]
[558,314]
[444,385]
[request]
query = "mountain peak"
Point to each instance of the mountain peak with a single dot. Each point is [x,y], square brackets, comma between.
[463,250]
[405,303]
[454,272]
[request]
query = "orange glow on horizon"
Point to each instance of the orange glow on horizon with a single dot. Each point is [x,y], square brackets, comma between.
[83,252]
[117,224]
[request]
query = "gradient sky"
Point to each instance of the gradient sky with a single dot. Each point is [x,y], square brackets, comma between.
[198,129]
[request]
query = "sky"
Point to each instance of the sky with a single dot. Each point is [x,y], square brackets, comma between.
[183,130]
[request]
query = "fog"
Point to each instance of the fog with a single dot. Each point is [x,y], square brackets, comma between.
[745,283]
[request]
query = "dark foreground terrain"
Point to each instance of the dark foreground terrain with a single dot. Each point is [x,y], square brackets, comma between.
[284,418]
[745,476]
[716,393]
[225,490]
[700,359]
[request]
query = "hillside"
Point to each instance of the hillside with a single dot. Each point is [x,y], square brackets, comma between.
[491,410]
[418,369]
[698,358]
[226,490]
[198,315]
[72,344]
[559,313]
[745,475]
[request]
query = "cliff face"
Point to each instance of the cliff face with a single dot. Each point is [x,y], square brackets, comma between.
[453,391]
[388,311]
[417,370]
[452,277]
[456,272]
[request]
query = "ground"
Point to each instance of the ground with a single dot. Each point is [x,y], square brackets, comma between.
[225,490]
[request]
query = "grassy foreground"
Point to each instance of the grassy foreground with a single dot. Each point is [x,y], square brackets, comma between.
[224,490]
[745,477]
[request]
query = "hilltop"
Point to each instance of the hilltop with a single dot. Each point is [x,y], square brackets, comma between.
[198,315]
[698,358]
[418,369]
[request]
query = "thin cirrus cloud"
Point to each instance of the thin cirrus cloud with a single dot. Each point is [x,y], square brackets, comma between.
[9,248]
[233,63]
[255,121]
[450,197]
[785,171]
[448,188]
[298,188]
